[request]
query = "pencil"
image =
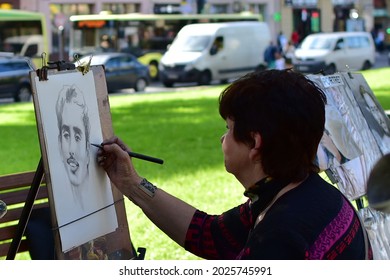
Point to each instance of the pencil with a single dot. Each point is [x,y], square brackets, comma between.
[137,155]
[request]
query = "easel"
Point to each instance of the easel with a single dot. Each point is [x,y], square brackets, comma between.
[122,247]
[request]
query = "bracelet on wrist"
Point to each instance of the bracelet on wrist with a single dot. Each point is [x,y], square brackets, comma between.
[147,187]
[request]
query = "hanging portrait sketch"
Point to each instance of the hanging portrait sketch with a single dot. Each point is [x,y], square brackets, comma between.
[83,199]
[348,138]
[373,112]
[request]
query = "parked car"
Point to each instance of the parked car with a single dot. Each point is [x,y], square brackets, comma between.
[122,70]
[336,51]
[14,77]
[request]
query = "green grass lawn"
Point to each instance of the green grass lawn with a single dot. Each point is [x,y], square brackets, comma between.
[183,128]
[379,82]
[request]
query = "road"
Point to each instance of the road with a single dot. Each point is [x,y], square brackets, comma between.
[382,61]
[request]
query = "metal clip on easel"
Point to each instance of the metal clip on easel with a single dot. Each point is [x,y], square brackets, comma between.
[83,67]
[60,65]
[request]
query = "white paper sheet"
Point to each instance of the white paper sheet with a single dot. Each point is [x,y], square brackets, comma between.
[84,211]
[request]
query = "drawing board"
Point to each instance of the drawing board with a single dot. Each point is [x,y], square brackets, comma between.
[88,214]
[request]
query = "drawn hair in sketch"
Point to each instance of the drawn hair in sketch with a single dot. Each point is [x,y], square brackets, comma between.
[74,132]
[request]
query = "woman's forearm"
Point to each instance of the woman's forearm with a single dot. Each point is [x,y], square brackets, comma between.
[167,212]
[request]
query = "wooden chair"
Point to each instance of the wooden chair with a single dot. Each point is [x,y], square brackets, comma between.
[14,190]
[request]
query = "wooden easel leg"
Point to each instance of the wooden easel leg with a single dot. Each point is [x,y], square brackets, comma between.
[32,194]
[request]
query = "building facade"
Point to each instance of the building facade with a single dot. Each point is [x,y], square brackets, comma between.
[301,17]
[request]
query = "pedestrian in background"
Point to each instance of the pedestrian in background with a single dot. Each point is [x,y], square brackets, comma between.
[289,53]
[269,55]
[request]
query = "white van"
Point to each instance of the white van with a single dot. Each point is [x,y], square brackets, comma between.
[203,52]
[337,51]
[26,45]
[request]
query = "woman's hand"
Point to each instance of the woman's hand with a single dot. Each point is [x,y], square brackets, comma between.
[115,160]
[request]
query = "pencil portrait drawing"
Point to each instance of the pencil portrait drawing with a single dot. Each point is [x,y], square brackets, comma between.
[82,194]
[73,137]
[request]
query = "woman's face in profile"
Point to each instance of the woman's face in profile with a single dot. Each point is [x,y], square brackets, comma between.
[236,154]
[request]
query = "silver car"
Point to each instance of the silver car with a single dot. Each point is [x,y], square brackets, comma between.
[122,70]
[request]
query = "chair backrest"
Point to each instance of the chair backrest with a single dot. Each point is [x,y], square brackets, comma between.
[14,189]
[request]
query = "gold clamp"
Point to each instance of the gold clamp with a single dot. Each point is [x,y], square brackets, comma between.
[83,67]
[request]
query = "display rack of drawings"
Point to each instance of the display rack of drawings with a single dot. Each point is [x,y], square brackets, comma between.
[357,135]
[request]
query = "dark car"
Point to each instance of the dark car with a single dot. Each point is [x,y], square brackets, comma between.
[14,78]
[122,70]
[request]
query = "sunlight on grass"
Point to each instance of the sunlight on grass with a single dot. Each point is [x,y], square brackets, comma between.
[378,80]
[22,114]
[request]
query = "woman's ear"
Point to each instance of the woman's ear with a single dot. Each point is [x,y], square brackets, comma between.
[255,150]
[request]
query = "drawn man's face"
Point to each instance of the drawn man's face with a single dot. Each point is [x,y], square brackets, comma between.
[73,144]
